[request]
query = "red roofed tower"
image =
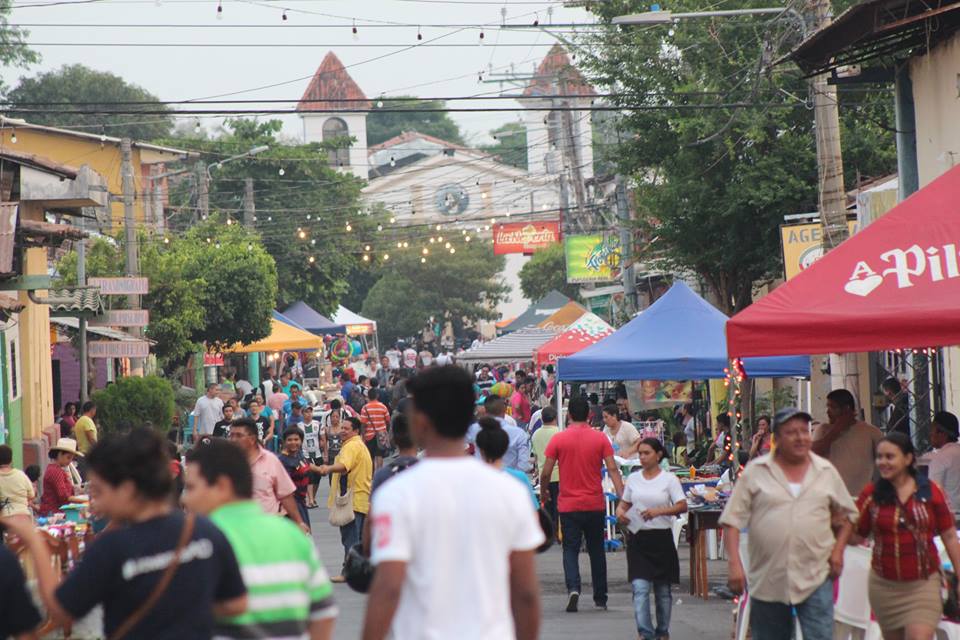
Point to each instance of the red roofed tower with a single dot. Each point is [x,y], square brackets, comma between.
[326,109]
[556,76]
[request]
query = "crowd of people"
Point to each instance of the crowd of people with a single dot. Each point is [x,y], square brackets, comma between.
[443,485]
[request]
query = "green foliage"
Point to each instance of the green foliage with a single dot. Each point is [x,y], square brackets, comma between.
[511,144]
[132,402]
[769,402]
[546,271]
[719,143]
[383,124]
[463,287]
[294,190]
[14,51]
[85,88]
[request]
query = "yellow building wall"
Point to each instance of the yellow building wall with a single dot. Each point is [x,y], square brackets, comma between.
[104,158]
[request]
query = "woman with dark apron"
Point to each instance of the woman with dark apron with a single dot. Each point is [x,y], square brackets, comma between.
[652,499]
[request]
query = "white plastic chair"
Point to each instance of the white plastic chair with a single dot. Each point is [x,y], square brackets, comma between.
[948,631]
[678,524]
[852,608]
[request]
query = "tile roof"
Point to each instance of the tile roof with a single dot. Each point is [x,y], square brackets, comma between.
[85,300]
[40,229]
[557,67]
[330,87]
[410,136]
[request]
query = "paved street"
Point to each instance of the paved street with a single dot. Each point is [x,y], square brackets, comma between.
[692,618]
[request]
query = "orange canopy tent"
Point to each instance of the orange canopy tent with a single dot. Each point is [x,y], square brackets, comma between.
[564,316]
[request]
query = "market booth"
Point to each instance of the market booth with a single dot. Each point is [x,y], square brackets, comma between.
[679,337]
[585,331]
[894,285]
[517,346]
[305,317]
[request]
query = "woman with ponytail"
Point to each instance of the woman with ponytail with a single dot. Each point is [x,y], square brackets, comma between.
[903,511]
[493,442]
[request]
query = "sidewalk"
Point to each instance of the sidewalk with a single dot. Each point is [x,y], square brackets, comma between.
[692,618]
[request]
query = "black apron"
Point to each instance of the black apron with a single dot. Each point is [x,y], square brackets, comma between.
[651,555]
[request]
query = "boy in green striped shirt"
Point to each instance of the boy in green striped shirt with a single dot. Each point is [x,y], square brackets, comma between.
[289,592]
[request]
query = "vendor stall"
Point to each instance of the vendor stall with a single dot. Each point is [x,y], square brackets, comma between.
[283,337]
[537,312]
[564,316]
[303,316]
[513,347]
[585,331]
[895,284]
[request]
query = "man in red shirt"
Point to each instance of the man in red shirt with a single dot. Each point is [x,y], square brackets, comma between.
[375,418]
[581,452]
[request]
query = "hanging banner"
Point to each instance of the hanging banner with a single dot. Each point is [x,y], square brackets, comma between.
[120,286]
[118,348]
[802,245]
[122,318]
[652,392]
[524,237]
[592,258]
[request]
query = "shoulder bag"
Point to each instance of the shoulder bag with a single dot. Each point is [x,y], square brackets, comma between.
[147,606]
[341,513]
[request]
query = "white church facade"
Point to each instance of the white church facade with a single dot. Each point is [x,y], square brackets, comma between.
[424,180]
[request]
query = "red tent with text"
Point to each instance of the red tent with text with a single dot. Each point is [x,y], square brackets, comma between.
[894,285]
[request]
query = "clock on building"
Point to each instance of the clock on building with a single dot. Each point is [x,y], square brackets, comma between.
[452,199]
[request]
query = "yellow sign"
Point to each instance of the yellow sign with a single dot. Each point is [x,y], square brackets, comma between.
[803,245]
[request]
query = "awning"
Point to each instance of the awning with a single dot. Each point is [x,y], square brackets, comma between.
[283,337]
[679,337]
[354,323]
[68,322]
[563,317]
[513,347]
[587,330]
[896,284]
[300,314]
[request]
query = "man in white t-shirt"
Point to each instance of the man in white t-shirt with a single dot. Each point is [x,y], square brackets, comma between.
[207,411]
[453,538]
[393,358]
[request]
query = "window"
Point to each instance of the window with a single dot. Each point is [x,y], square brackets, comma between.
[335,129]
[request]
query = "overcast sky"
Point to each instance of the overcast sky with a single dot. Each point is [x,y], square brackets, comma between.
[182,72]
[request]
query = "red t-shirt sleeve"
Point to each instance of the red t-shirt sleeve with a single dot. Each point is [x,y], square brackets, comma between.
[863,509]
[942,517]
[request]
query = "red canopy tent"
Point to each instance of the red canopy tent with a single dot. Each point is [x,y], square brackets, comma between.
[896,284]
[585,331]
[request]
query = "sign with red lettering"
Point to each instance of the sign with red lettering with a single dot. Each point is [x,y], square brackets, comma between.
[118,348]
[120,286]
[524,237]
[213,359]
[122,318]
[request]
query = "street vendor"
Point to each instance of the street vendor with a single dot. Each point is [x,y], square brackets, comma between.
[60,480]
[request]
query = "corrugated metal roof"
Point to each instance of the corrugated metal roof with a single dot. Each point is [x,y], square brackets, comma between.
[518,345]
[106,332]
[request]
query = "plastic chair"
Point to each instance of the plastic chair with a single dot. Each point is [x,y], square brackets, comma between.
[678,524]
[948,631]
[852,608]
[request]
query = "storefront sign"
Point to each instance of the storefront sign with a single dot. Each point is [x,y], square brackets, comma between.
[118,348]
[524,237]
[122,318]
[592,258]
[213,359]
[359,329]
[120,286]
[803,245]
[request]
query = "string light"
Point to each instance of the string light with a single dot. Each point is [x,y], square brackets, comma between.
[311,259]
[467,239]
[453,250]
[399,245]
[196,126]
[366,248]
[166,240]
[379,227]
[440,239]
[281,171]
[423,260]
[303,234]
[313,242]
[392,219]
[447,246]
[386,256]
[250,246]
[438,227]
[426,251]
[219,10]
[406,245]
[283,16]
[349,228]
[209,241]
[366,258]
[419,35]
[393,161]
[13,136]
[356,35]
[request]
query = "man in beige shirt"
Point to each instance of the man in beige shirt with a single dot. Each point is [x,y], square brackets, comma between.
[848,443]
[786,500]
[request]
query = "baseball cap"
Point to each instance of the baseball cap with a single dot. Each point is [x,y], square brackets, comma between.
[787,414]
[947,422]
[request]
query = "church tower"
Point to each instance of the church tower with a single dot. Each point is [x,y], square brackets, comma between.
[325,112]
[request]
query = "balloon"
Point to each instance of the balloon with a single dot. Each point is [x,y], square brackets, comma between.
[340,351]
[502,389]
[356,348]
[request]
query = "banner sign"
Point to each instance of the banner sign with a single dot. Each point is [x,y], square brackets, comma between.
[359,329]
[122,318]
[665,392]
[524,237]
[803,245]
[118,348]
[592,258]
[213,359]
[120,286]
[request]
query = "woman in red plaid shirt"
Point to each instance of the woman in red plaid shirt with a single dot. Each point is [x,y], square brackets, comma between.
[903,512]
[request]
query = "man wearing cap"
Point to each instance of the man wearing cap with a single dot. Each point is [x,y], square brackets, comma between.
[944,463]
[787,500]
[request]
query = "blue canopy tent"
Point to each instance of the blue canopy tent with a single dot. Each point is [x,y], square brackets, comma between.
[680,337]
[300,315]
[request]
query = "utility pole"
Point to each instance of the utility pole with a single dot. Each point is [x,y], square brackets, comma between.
[249,208]
[81,282]
[626,248]
[130,236]
[203,195]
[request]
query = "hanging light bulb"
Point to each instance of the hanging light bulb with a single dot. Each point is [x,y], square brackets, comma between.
[393,161]
[439,238]
[356,34]
[13,136]
[302,234]
[366,258]
[399,245]
[467,239]
[283,16]
[313,242]
[431,239]
[438,227]
[419,35]
[379,104]
[349,228]
[209,241]
[281,171]
[269,218]
[453,250]
[423,260]
[379,227]
[406,245]
[196,126]
[250,246]
[166,240]
[447,246]
[386,256]
[220,10]
[217,245]
[311,259]
[366,248]
[425,251]
[392,219]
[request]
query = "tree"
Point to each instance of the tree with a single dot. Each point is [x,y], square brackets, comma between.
[385,122]
[78,87]
[133,402]
[303,209]
[463,287]
[717,142]
[546,271]
[14,51]
[510,144]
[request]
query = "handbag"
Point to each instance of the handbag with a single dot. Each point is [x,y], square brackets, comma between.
[160,588]
[341,513]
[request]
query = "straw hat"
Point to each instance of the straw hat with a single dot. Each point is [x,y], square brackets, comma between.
[67,445]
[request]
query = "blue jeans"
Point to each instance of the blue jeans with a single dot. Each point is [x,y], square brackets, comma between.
[774,620]
[663,601]
[350,533]
[576,525]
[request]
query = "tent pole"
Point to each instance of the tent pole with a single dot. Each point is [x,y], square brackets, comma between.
[560,417]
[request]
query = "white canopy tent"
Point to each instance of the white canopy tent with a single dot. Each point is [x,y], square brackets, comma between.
[513,347]
[357,325]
